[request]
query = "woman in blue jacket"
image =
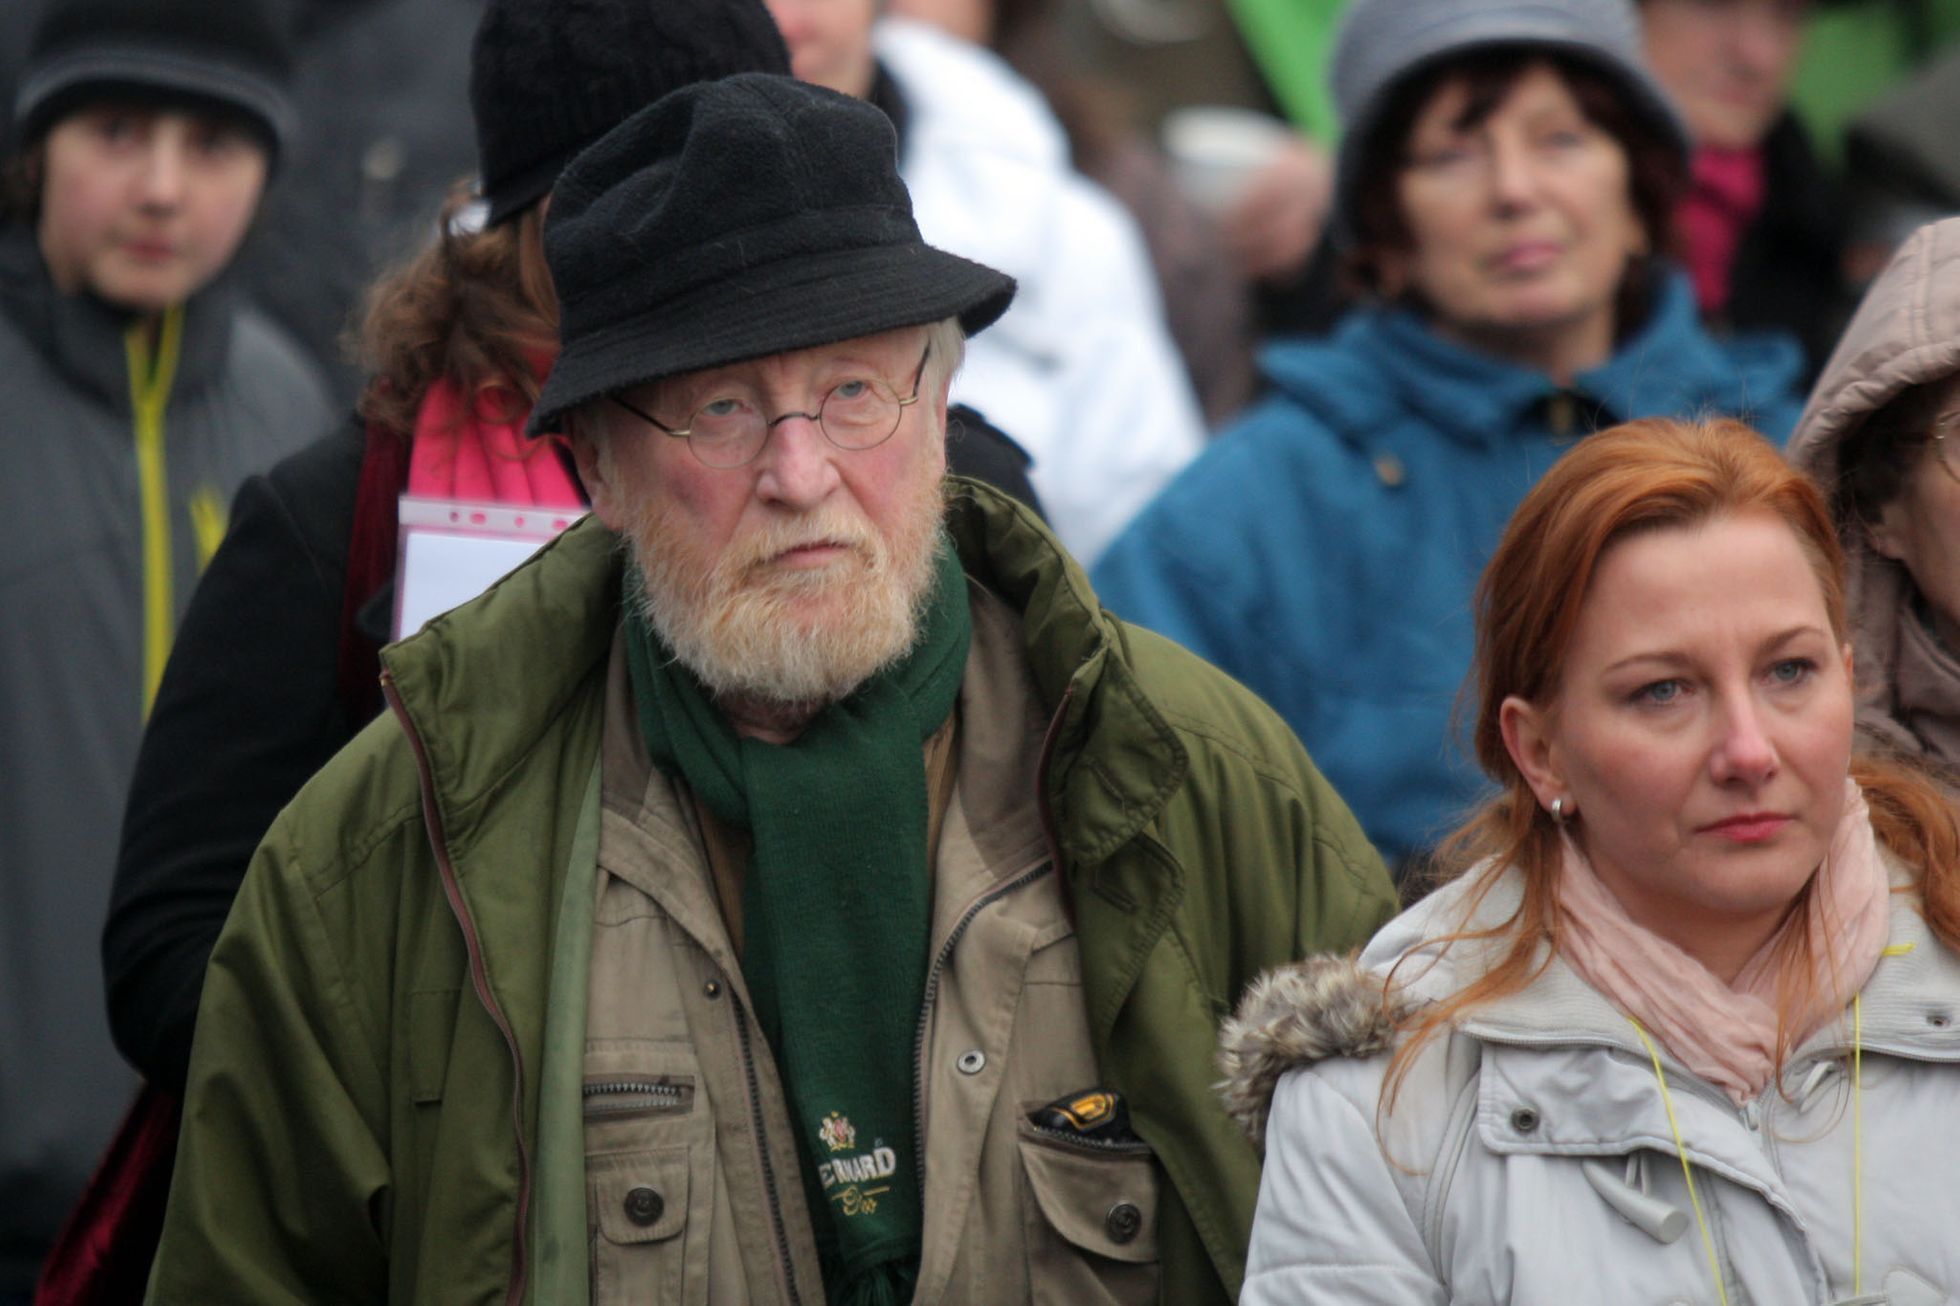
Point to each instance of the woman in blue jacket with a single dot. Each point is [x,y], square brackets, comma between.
[1503,192]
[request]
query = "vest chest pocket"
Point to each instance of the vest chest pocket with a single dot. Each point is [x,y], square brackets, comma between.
[1091,1220]
[648,1244]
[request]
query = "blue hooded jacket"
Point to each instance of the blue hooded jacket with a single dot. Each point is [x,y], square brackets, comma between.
[1325,549]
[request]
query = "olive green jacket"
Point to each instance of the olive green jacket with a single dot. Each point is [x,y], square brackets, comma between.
[362,1113]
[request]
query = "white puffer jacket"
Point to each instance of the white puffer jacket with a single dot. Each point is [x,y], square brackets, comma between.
[1081,370]
[1529,1157]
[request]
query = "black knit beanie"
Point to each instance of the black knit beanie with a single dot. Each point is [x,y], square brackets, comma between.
[549,77]
[232,55]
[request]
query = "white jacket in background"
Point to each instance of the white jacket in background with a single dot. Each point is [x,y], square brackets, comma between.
[1081,370]
[1522,1142]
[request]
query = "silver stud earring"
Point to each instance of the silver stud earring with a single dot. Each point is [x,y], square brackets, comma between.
[1558,810]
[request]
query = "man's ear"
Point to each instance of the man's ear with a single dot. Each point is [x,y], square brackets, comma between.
[592,466]
[1526,728]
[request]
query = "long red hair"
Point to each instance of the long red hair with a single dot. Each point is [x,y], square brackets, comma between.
[1652,474]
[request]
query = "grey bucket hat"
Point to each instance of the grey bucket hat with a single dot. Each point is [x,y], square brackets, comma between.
[1382,43]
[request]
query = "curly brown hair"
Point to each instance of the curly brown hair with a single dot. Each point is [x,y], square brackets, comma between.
[476,307]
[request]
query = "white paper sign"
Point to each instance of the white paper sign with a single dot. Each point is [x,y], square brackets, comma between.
[452,551]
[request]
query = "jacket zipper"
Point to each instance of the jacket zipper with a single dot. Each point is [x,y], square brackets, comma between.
[1109,1145]
[152,375]
[938,967]
[1054,862]
[479,980]
[637,1094]
[783,1266]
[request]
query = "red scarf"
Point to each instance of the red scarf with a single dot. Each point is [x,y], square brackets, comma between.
[1725,193]
[478,452]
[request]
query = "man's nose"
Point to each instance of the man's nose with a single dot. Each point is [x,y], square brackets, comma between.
[161,181]
[797,467]
[1759,42]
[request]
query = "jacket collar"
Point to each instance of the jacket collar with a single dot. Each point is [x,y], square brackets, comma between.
[1537,1038]
[1669,365]
[82,337]
[541,636]
[1115,760]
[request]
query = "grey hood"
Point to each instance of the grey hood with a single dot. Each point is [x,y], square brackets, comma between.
[1906,333]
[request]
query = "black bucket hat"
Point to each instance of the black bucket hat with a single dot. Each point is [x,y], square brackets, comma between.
[736,219]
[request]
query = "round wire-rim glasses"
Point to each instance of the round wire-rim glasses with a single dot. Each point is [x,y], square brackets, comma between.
[858,413]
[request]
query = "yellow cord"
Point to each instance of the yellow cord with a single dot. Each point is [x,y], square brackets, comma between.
[1857,1145]
[150,380]
[1687,1171]
[207,512]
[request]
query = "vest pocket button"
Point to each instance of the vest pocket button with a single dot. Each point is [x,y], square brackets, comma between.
[1123,1223]
[644,1206]
[1524,1120]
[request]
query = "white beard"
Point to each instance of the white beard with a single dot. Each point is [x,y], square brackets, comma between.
[752,630]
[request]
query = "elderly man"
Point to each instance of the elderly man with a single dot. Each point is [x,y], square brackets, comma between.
[791,886]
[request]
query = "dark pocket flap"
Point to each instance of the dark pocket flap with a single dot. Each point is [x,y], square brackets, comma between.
[1101,1198]
[640,1197]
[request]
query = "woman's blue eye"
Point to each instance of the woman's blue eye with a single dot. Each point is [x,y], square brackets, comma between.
[1791,671]
[1661,691]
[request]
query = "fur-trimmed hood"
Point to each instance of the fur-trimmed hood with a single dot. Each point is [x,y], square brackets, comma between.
[1343,1006]
[1296,1015]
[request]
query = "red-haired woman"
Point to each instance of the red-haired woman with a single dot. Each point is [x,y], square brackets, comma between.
[1685,1025]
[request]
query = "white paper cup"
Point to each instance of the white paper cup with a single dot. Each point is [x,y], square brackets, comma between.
[1214,150]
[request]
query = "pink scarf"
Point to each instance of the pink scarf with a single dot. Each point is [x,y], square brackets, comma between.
[1724,196]
[1727,1034]
[477,452]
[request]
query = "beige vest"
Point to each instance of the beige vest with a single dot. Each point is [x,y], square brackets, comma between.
[693,1194]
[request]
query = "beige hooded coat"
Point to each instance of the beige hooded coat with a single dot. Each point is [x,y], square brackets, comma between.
[1906,333]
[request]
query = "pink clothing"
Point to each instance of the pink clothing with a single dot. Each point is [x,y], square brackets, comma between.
[478,453]
[1724,1033]
[1725,193]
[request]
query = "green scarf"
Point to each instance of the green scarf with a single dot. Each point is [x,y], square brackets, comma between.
[836,907]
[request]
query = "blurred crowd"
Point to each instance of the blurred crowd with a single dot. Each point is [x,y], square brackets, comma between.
[1309,295]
